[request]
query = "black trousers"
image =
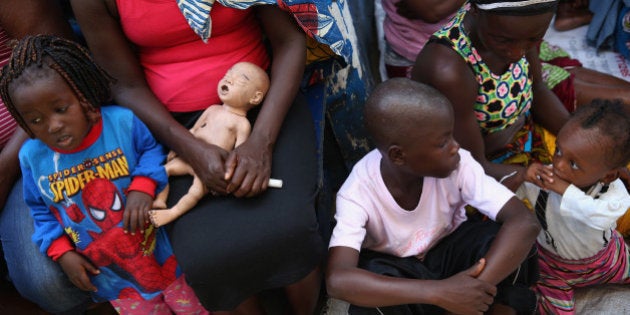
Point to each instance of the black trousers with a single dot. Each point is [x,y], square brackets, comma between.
[455,253]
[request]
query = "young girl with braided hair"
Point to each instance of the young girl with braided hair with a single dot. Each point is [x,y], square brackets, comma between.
[578,199]
[90,174]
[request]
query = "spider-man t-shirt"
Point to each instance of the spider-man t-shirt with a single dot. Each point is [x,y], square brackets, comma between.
[85,190]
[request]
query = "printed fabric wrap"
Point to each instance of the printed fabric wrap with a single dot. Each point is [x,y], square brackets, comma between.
[322,21]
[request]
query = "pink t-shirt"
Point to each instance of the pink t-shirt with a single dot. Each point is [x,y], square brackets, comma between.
[407,37]
[368,216]
[182,70]
[7,123]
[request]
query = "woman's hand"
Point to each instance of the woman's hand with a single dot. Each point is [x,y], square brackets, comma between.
[208,162]
[77,268]
[248,168]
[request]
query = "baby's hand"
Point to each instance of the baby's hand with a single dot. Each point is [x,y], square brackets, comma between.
[77,268]
[544,177]
[535,172]
[136,215]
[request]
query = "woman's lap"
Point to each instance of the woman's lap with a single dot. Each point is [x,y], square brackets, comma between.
[231,248]
[35,276]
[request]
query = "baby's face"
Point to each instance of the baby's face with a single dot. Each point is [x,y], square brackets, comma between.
[237,86]
[51,110]
[580,156]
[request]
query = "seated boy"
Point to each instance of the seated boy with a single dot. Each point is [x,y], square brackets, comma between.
[403,243]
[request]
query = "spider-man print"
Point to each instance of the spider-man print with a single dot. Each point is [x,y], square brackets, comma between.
[104,205]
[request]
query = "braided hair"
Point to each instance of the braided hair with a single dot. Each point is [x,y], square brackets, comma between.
[90,83]
[612,119]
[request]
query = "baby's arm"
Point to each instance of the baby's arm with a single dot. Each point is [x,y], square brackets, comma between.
[461,293]
[77,268]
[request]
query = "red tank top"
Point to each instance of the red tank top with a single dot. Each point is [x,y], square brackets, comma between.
[181,69]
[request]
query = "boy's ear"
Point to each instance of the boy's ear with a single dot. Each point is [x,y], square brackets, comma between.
[257,98]
[611,176]
[396,154]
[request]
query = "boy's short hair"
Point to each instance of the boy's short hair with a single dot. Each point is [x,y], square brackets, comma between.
[396,105]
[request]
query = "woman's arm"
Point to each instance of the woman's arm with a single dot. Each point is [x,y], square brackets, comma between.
[547,109]
[29,17]
[99,23]
[251,161]
[430,11]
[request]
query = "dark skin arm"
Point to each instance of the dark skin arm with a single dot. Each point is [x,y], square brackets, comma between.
[453,72]
[461,293]
[249,165]
[99,22]
[19,18]
[430,11]
[136,215]
[547,109]
[9,164]
[510,247]
[468,292]
[77,268]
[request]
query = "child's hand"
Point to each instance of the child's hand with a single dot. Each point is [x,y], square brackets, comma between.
[533,172]
[77,268]
[464,294]
[136,215]
[544,177]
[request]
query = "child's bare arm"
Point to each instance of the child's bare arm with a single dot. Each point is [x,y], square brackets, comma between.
[136,215]
[514,241]
[77,268]
[461,293]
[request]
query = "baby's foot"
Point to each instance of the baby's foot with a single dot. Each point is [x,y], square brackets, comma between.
[160,217]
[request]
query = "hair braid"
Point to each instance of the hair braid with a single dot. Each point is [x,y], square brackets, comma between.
[613,121]
[90,83]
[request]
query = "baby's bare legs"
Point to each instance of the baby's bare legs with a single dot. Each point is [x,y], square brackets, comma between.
[161,217]
[160,199]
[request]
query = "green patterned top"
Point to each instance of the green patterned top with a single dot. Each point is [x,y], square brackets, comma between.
[501,99]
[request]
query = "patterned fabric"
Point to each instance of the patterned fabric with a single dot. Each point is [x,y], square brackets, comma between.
[322,20]
[553,73]
[555,62]
[559,277]
[177,298]
[7,123]
[501,99]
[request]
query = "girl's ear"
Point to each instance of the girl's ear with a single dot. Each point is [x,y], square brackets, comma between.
[396,154]
[93,115]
